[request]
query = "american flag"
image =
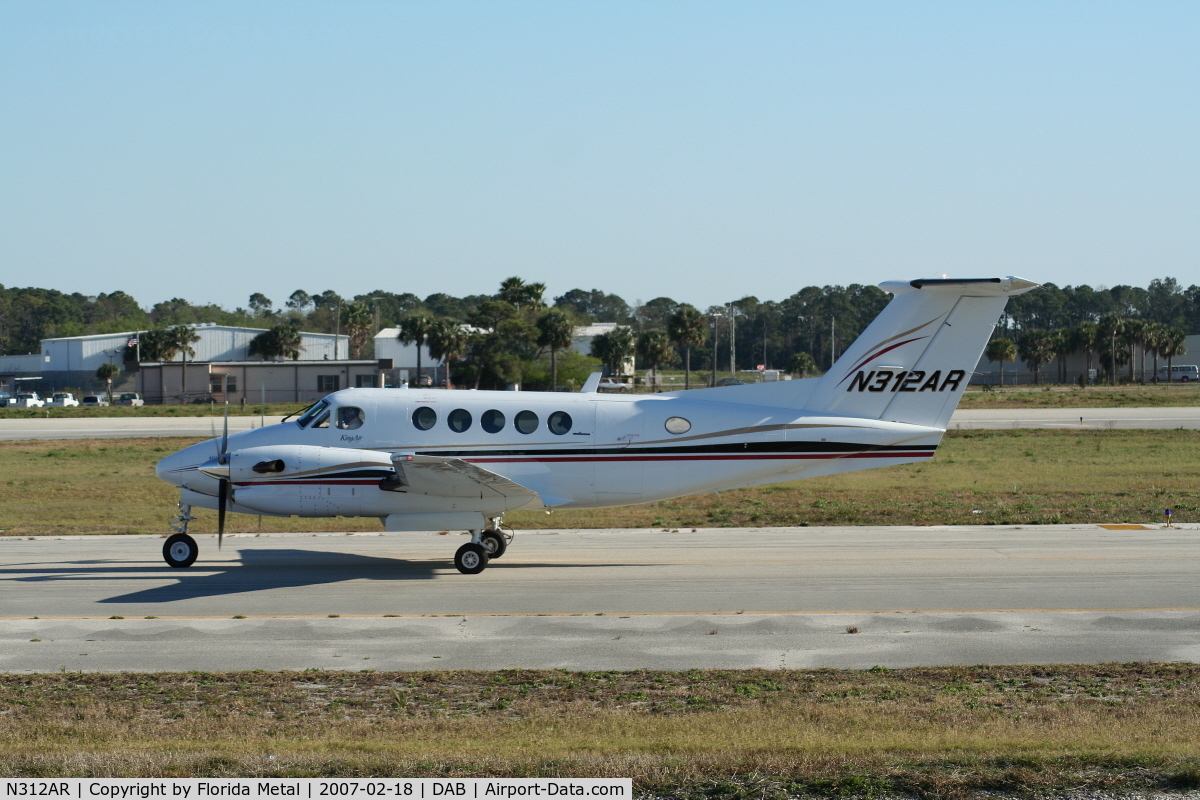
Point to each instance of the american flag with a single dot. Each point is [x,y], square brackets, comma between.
[132,341]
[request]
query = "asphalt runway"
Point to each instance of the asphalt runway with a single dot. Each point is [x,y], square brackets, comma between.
[124,427]
[1069,418]
[618,599]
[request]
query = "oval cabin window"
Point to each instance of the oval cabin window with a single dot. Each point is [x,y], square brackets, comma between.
[678,425]
[424,418]
[526,422]
[459,420]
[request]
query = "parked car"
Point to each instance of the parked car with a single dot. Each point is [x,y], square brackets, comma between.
[62,400]
[26,400]
[130,399]
[4,398]
[1179,373]
[609,385]
[95,400]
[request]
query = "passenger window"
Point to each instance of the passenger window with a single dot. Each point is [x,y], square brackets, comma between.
[559,422]
[492,421]
[678,425]
[349,418]
[459,420]
[526,422]
[424,418]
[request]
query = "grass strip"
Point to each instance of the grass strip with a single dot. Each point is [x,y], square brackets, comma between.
[70,487]
[943,732]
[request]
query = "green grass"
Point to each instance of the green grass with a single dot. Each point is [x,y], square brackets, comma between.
[70,487]
[1149,396]
[938,732]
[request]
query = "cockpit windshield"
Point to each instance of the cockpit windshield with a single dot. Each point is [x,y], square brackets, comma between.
[314,411]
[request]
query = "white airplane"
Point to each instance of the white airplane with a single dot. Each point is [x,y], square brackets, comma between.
[427,460]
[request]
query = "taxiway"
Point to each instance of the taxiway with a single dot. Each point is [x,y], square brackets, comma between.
[772,597]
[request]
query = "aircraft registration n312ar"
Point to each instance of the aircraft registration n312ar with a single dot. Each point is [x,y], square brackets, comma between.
[428,460]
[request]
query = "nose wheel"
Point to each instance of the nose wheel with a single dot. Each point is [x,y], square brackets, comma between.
[180,550]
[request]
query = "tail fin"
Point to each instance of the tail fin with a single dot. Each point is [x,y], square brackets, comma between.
[914,361]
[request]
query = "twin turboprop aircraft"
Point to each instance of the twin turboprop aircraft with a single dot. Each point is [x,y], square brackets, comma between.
[427,460]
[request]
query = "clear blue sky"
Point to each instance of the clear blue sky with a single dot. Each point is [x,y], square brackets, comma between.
[699,150]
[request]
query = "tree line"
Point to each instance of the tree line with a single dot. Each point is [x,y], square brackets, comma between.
[517,336]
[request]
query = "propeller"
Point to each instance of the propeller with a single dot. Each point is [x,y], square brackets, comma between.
[223,483]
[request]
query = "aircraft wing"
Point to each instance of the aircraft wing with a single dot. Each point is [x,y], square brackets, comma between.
[435,476]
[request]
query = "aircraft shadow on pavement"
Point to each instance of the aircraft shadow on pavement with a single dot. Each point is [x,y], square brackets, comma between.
[255,570]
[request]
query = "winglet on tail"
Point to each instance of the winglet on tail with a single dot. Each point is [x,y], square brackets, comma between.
[914,361]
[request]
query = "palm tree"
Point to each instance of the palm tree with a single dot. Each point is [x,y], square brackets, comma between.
[1000,351]
[554,331]
[654,347]
[613,348]
[106,373]
[281,341]
[414,329]
[1172,343]
[1086,336]
[520,294]
[1036,347]
[1111,328]
[1135,336]
[686,327]
[447,341]
[358,320]
[180,339]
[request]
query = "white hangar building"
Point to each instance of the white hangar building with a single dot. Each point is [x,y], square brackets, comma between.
[73,360]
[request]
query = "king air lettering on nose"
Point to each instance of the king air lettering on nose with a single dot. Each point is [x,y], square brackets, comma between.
[885,380]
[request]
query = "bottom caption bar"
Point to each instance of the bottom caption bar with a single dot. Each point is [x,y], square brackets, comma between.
[416,788]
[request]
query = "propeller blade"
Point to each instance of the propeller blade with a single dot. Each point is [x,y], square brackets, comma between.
[225,433]
[222,501]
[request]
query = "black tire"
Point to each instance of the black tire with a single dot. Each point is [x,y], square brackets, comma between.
[1185,379]
[495,543]
[471,559]
[180,551]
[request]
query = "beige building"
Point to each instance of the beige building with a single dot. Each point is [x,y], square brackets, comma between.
[254,381]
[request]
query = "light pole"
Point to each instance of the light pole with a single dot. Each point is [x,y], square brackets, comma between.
[111,354]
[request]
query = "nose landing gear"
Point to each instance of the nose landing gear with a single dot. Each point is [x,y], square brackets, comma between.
[181,550]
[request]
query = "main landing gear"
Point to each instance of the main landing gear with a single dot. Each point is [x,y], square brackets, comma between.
[180,550]
[473,557]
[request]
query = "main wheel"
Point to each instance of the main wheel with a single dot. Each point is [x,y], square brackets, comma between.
[180,550]
[494,543]
[471,559]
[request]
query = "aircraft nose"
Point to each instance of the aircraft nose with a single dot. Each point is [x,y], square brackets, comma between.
[179,467]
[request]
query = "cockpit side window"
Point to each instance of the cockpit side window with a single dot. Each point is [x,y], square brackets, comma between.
[314,411]
[322,421]
[350,418]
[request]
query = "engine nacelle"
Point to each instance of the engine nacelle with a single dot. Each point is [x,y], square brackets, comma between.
[308,481]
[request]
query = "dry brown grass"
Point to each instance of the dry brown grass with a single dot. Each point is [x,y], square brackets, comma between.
[977,477]
[942,731]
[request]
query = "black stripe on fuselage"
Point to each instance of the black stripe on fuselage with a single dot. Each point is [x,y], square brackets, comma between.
[741,448]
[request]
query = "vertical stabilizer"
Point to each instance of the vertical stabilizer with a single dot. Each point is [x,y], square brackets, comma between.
[914,361]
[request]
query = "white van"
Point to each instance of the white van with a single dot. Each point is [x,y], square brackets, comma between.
[1180,373]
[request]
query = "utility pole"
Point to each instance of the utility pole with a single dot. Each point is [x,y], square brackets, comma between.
[729,309]
[712,380]
[337,330]
[832,341]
